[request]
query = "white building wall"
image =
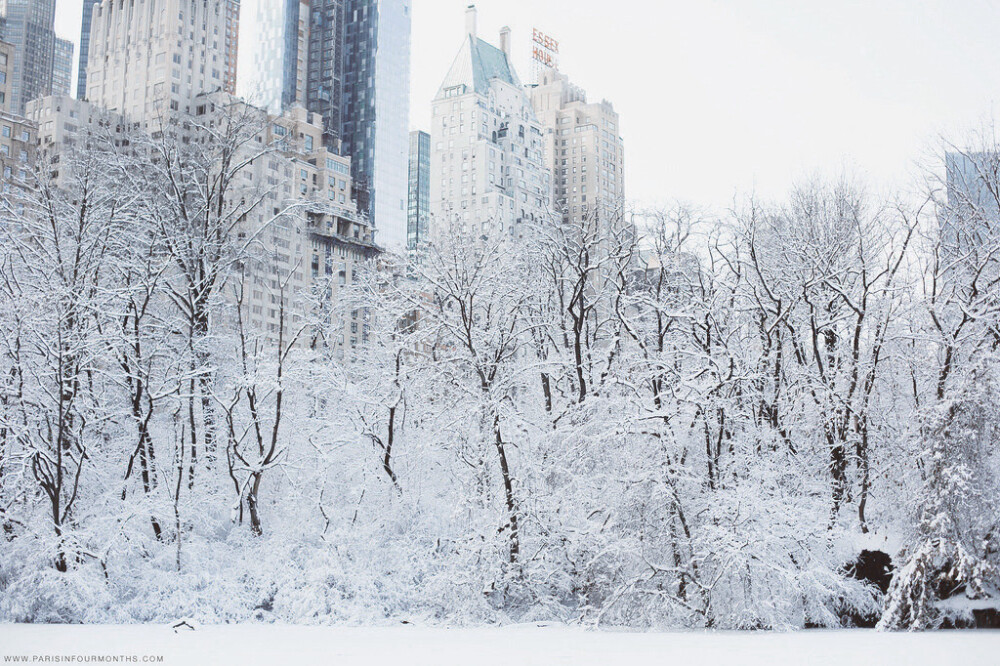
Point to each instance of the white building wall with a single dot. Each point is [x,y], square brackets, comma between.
[487,156]
[148,57]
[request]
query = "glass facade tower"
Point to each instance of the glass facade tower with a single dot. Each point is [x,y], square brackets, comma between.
[62,67]
[268,75]
[418,211]
[29,25]
[324,82]
[81,76]
[375,127]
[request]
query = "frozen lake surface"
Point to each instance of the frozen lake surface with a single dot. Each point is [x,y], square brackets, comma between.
[408,645]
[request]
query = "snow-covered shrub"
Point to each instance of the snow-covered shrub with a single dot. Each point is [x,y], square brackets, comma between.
[951,553]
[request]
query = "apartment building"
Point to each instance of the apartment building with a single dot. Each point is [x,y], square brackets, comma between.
[488,171]
[306,240]
[18,137]
[583,149]
[314,240]
[147,58]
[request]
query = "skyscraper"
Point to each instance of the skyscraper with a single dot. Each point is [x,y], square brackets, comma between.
[375,124]
[62,67]
[586,156]
[81,77]
[153,56]
[487,167]
[272,69]
[418,211]
[583,149]
[28,25]
[325,83]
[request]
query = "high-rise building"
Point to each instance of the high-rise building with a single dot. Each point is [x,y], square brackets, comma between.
[583,150]
[585,154]
[418,211]
[149,57]
[28,25]
[309,235]
[487,167]
[272,69]
[81,76]
[62,67]
[375,108]
[325,82]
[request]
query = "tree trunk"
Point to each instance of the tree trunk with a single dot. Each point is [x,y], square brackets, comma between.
[547,391]
[255,525]
[508,487]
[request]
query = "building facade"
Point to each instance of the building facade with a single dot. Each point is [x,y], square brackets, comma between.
[313,240]
[418,213]
[66,126]
[488,172]
[62,67]
[294,200]
[583,150]
[18,140]
[585,154]
[6,76]
[147,58]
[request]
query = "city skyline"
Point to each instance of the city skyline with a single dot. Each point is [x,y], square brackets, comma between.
[715,125]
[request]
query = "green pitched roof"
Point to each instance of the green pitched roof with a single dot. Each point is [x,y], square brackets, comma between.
[476,64]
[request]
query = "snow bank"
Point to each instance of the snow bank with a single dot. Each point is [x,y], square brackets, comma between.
[519,645]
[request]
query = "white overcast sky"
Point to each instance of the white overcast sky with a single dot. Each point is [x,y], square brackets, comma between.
[720,97]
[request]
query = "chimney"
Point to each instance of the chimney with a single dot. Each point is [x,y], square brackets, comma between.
[470,21]
[505,40]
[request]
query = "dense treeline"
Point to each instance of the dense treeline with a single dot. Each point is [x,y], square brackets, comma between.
[660,418]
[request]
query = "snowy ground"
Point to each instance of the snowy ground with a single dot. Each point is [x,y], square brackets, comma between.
[514,646]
